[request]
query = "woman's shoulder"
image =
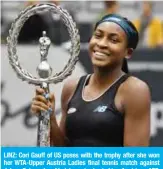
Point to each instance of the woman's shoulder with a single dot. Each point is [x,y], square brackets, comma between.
[135,87]
[70,86]
[135,84]
[72,82]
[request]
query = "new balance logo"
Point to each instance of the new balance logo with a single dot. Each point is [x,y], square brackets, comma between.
[100,109]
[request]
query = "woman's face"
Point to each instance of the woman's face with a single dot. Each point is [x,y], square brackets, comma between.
[108,45]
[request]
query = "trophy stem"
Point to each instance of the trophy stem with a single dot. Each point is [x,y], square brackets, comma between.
[44,71]
[43,135]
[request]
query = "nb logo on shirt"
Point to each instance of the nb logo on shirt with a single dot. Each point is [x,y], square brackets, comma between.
[100,109]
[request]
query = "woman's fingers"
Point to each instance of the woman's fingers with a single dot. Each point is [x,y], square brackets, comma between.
[47,96]
[37,109]
[41,104]
[39,91]
[38,106]
[42,101]
[41,98]
[51,98]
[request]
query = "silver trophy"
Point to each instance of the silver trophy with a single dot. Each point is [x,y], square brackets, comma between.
[44,70]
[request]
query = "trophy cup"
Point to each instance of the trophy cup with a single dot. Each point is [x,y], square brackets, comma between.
[44,70]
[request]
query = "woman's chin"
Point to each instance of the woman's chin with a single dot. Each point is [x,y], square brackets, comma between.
[98,63]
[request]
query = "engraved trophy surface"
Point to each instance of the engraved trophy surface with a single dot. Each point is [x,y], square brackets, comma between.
[44,70]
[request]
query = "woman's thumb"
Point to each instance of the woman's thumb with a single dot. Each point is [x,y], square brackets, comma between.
[51,98]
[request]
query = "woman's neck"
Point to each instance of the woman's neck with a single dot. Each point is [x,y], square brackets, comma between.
[101,78]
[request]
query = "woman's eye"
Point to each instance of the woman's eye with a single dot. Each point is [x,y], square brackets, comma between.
[97,35]
[114,40]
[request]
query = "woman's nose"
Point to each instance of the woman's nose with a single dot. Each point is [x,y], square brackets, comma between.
[102,43]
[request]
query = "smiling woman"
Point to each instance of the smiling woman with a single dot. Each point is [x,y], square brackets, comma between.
[117,33]
[108,45]
[103,112]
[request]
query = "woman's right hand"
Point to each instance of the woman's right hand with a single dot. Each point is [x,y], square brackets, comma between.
[40,103]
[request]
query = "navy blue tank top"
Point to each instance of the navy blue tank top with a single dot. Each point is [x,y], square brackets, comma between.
[97,122]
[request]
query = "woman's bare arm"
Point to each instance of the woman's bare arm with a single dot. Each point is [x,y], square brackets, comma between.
[137,113]
[58,137]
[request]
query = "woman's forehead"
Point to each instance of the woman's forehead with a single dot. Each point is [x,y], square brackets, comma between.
[111,27]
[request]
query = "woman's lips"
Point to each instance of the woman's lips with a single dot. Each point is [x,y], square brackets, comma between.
[100,55]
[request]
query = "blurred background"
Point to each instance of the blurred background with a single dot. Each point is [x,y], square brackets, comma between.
[18,126]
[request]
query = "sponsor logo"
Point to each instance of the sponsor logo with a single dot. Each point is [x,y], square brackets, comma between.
[100,109]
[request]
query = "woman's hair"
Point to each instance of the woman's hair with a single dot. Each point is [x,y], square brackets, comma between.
[128,27]
[125,64]
[136,31]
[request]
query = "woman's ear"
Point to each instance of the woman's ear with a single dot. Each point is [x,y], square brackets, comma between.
[129,53]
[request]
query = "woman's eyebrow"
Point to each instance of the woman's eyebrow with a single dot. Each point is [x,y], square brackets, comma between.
[98,30]
[113,34]
[102,31]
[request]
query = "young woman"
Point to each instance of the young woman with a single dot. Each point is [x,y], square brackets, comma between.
[109,107]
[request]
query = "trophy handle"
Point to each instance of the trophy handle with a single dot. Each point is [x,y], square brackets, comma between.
[43,133]
[44,71]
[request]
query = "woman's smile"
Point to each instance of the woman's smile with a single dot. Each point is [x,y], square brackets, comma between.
[100,55]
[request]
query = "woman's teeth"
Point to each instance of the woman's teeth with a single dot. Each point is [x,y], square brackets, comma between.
[100,54]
